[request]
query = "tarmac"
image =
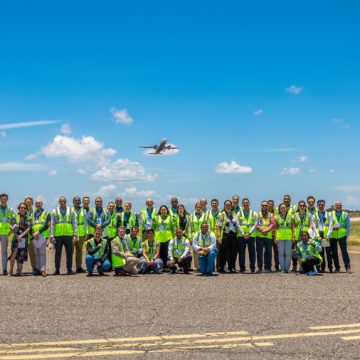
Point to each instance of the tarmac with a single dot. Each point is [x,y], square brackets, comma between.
[230,316]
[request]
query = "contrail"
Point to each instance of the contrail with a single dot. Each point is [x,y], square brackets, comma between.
[27,124]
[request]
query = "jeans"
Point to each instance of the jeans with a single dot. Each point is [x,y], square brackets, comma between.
[144,267]
[264,252]
[344,252]
[207,262]
[91,261]
[285,247]
[67,242]
[4,245]
[250,244]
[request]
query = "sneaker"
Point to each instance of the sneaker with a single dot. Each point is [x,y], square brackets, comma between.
[348,270]
[311,273]
[337,271]
[56,272]
[43,273]
[101,273]
[89,274]
[5,273]
[259,271]
[70,272]
[80,270]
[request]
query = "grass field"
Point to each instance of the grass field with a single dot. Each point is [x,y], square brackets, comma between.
[354,238]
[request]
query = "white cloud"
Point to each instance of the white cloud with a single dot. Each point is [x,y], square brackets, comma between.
[66,129]
[165,153]
[121,116]
[341,122]
[232,167]
[19,166]
[53,173]
[82,171]
[294,89]
[355,188]
[302,159]
[107,191]
[258,112]
[3,134]
[123,170]
[132,192]
[87,148]
[31,157]
[27,124]
[290,171]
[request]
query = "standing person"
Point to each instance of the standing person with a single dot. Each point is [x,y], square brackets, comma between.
[204,244]
[271,209]
[31,251]
[40,226]
[164,231]
[235,200]
[21,228]
[112,228]
[196,220]
[323,222]
[182,220]
[128,219]
[311,209]
[339,235]
[203,204]
[265,227]
[150,261]
[97,253]
[147,217]
[81,219]
[63,230]
[86,204]
[97,217]
[174,202]
[289,206]
[118,206]
[212,219]
[227,227]
[284,236]
[246,218]
[134,242]
[179,253]
[123,261]
[7,218]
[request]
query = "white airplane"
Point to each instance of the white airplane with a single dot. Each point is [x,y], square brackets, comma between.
[160,149]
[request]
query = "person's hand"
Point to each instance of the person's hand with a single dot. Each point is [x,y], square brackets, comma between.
[171,262]
[52,238]
[36,235]
[98,263]
[206,250]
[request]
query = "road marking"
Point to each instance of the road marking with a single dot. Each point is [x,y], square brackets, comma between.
[334,326]
[24,351]
[348,338]
[354,252]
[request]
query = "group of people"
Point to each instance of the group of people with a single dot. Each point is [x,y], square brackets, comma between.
[303,237]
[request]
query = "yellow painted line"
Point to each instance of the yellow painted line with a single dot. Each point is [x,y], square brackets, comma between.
[82,353]
[348,338]
[334,326]
[24,351]
[115,340]
[354,252]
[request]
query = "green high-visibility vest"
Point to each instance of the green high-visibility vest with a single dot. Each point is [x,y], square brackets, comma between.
[246,223]
[311,249]
[196,222]
[203,242]
[264,222]
[164,227]
[146,220]
[341,232]
[131,220]
[94,216]
[80,219]
[112,228]
[63,223]
[301,224]
[134,244]
[284,227]
[5,220]
[100,253]
[150,250]
[326,222]
[118,261]
[212,220]
[178,248]
[40,222]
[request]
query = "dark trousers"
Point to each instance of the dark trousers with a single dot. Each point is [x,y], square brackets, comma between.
[334,252]
[185,263]
[309,264]
[61,241]
[276,254]
[250,244]
[228,251]
[164,246]
[327,258]
[264,252]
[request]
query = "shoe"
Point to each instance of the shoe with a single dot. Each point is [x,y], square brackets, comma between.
[80,270]
[330,271]
[232,271]
[70,273]
[5,273]
[221,271]
[173,272]
[311,273]
[252,271]
[186,272]
[36,272]
[259,271]
[209,274]
[101,273]
[56,272]
[43,273]
[348,270]
[89,274]
[337,271]
[242,271]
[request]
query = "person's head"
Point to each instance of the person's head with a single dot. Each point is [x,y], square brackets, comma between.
[98,202]
[111,206]
[86,202]
[122,231]
[245,203]
[203,203]
[282,209]
[301,206]
[179,233]
[97,233]
[149,203]
[235,201]
[321,204]
[127,206]
[310,201]
[287,200]
[271,205]
[163,210]
[264,206]
[181,210]
[62,202]
[118,202]
[150,234]
[174,202]
[304,236]
[204,228]
[76,202]
[4,199]
[22,208]
[215,204]
[198,208]
[29,202]
[135,231]
[338,205]
[228,206]
[38,204]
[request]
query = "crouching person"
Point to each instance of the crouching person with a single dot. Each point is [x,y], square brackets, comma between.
[123,261]
[179,253]
[150,261]
[308,254]
[97,253]
[204,244]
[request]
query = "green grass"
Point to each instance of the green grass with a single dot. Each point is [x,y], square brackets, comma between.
[354,238]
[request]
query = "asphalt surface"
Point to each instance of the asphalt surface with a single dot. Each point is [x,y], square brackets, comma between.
[267,316]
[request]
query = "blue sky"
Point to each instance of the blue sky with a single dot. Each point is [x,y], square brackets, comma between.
[262,98]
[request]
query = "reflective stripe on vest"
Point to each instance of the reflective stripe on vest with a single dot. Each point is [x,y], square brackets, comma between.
[264,223]
[40,222]
[163,231]
[341,232]
[203,242]
[63,224]
[131,220]
[80,219]
[197,222]
[118,261]
[150,250]
[6,217]
[284,227]
[112,229]
[301,224]
[134,245]
[246,223]
[178,248]
[100,253]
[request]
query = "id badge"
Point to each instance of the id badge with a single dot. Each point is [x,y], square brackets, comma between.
[4,219]
[179,252]
[98,221]
[127,226]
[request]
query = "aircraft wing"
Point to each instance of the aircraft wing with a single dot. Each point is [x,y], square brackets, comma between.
[149,147]
[169,147]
